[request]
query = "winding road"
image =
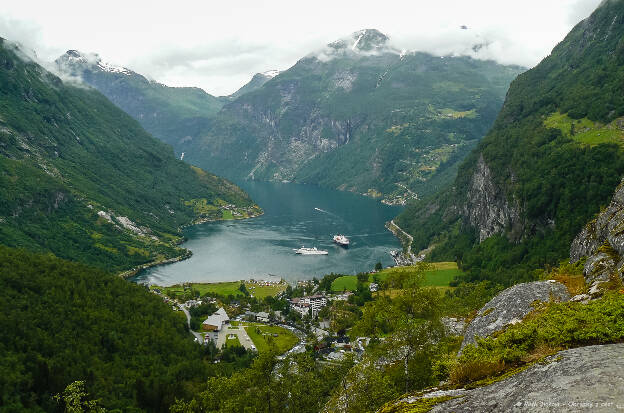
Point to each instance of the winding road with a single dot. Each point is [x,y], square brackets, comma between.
[198,336]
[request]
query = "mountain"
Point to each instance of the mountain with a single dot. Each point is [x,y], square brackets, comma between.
[257,81]
[550,162]
[81,179]
[169,113]
[357,115]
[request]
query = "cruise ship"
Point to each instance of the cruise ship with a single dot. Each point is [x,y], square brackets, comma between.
[341,240]
[310,251]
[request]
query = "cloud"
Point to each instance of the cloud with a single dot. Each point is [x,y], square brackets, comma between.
[220,45]
[579,10]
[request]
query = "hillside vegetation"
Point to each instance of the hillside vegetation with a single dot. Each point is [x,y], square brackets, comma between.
[62,322]
[83,180]
[365,118]
[169,113]
[438,274]
[552,159]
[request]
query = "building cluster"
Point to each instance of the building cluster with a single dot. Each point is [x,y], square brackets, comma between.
[261,316]
[309,305]
[266,283]
[342,296]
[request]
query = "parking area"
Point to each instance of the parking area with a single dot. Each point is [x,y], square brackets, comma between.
[240,332]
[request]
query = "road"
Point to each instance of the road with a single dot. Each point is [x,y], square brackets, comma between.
[299,347]
[198,336]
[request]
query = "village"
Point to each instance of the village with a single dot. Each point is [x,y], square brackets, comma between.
[261,314]
[314,316]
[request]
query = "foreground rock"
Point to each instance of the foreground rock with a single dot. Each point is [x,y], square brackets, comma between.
[577,380]
[602,242]
[511,306]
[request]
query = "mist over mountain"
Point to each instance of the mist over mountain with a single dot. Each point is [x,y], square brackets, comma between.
[357,115]
[168,113]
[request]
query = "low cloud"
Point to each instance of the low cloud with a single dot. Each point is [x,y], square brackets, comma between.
[219,46]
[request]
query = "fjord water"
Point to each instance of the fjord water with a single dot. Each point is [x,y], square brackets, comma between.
[294,216]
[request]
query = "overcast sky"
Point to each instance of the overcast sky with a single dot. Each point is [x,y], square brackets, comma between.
[219,45]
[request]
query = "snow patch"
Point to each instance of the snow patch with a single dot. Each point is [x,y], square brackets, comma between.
[107,67]
[271,73]
[357,41]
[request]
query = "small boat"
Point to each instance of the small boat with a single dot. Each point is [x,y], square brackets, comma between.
[310,251]
[341,240]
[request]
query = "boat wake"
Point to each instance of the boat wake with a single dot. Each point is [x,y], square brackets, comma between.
[368,235]
[328,213]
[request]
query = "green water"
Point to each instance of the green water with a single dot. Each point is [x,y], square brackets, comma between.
[295,215]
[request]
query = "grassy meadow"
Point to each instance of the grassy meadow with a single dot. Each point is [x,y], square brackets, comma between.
[439,275]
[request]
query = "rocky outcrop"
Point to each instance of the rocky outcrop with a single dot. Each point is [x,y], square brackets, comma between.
[487,208]
[576,380]
[511,306]
[453,326]
[602,243]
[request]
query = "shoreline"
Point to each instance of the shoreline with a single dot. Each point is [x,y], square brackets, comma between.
[206,220]
[185,255]
[134,271]
[405,257]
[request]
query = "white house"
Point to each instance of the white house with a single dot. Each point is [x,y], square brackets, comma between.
[263,317]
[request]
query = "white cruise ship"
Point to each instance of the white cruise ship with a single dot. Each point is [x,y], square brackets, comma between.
[310,251]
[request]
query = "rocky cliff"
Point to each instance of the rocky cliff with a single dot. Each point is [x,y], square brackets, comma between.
[601,242]
[511,306]
[487,208]
[576,380]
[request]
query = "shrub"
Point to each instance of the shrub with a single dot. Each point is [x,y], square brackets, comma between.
[551,327]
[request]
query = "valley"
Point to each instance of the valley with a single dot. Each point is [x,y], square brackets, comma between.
[262,247]
[431,221]
[368,118]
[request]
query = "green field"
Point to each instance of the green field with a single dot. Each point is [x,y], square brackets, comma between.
[225,289]
[262,337]
[584,130]
[346,282]
[440,275]
[234,342]
[261,291]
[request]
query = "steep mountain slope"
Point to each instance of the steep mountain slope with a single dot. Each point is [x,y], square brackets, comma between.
[169,113]
[552,159]
[358,115]
[61,322]
[83,180]
[257,81]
